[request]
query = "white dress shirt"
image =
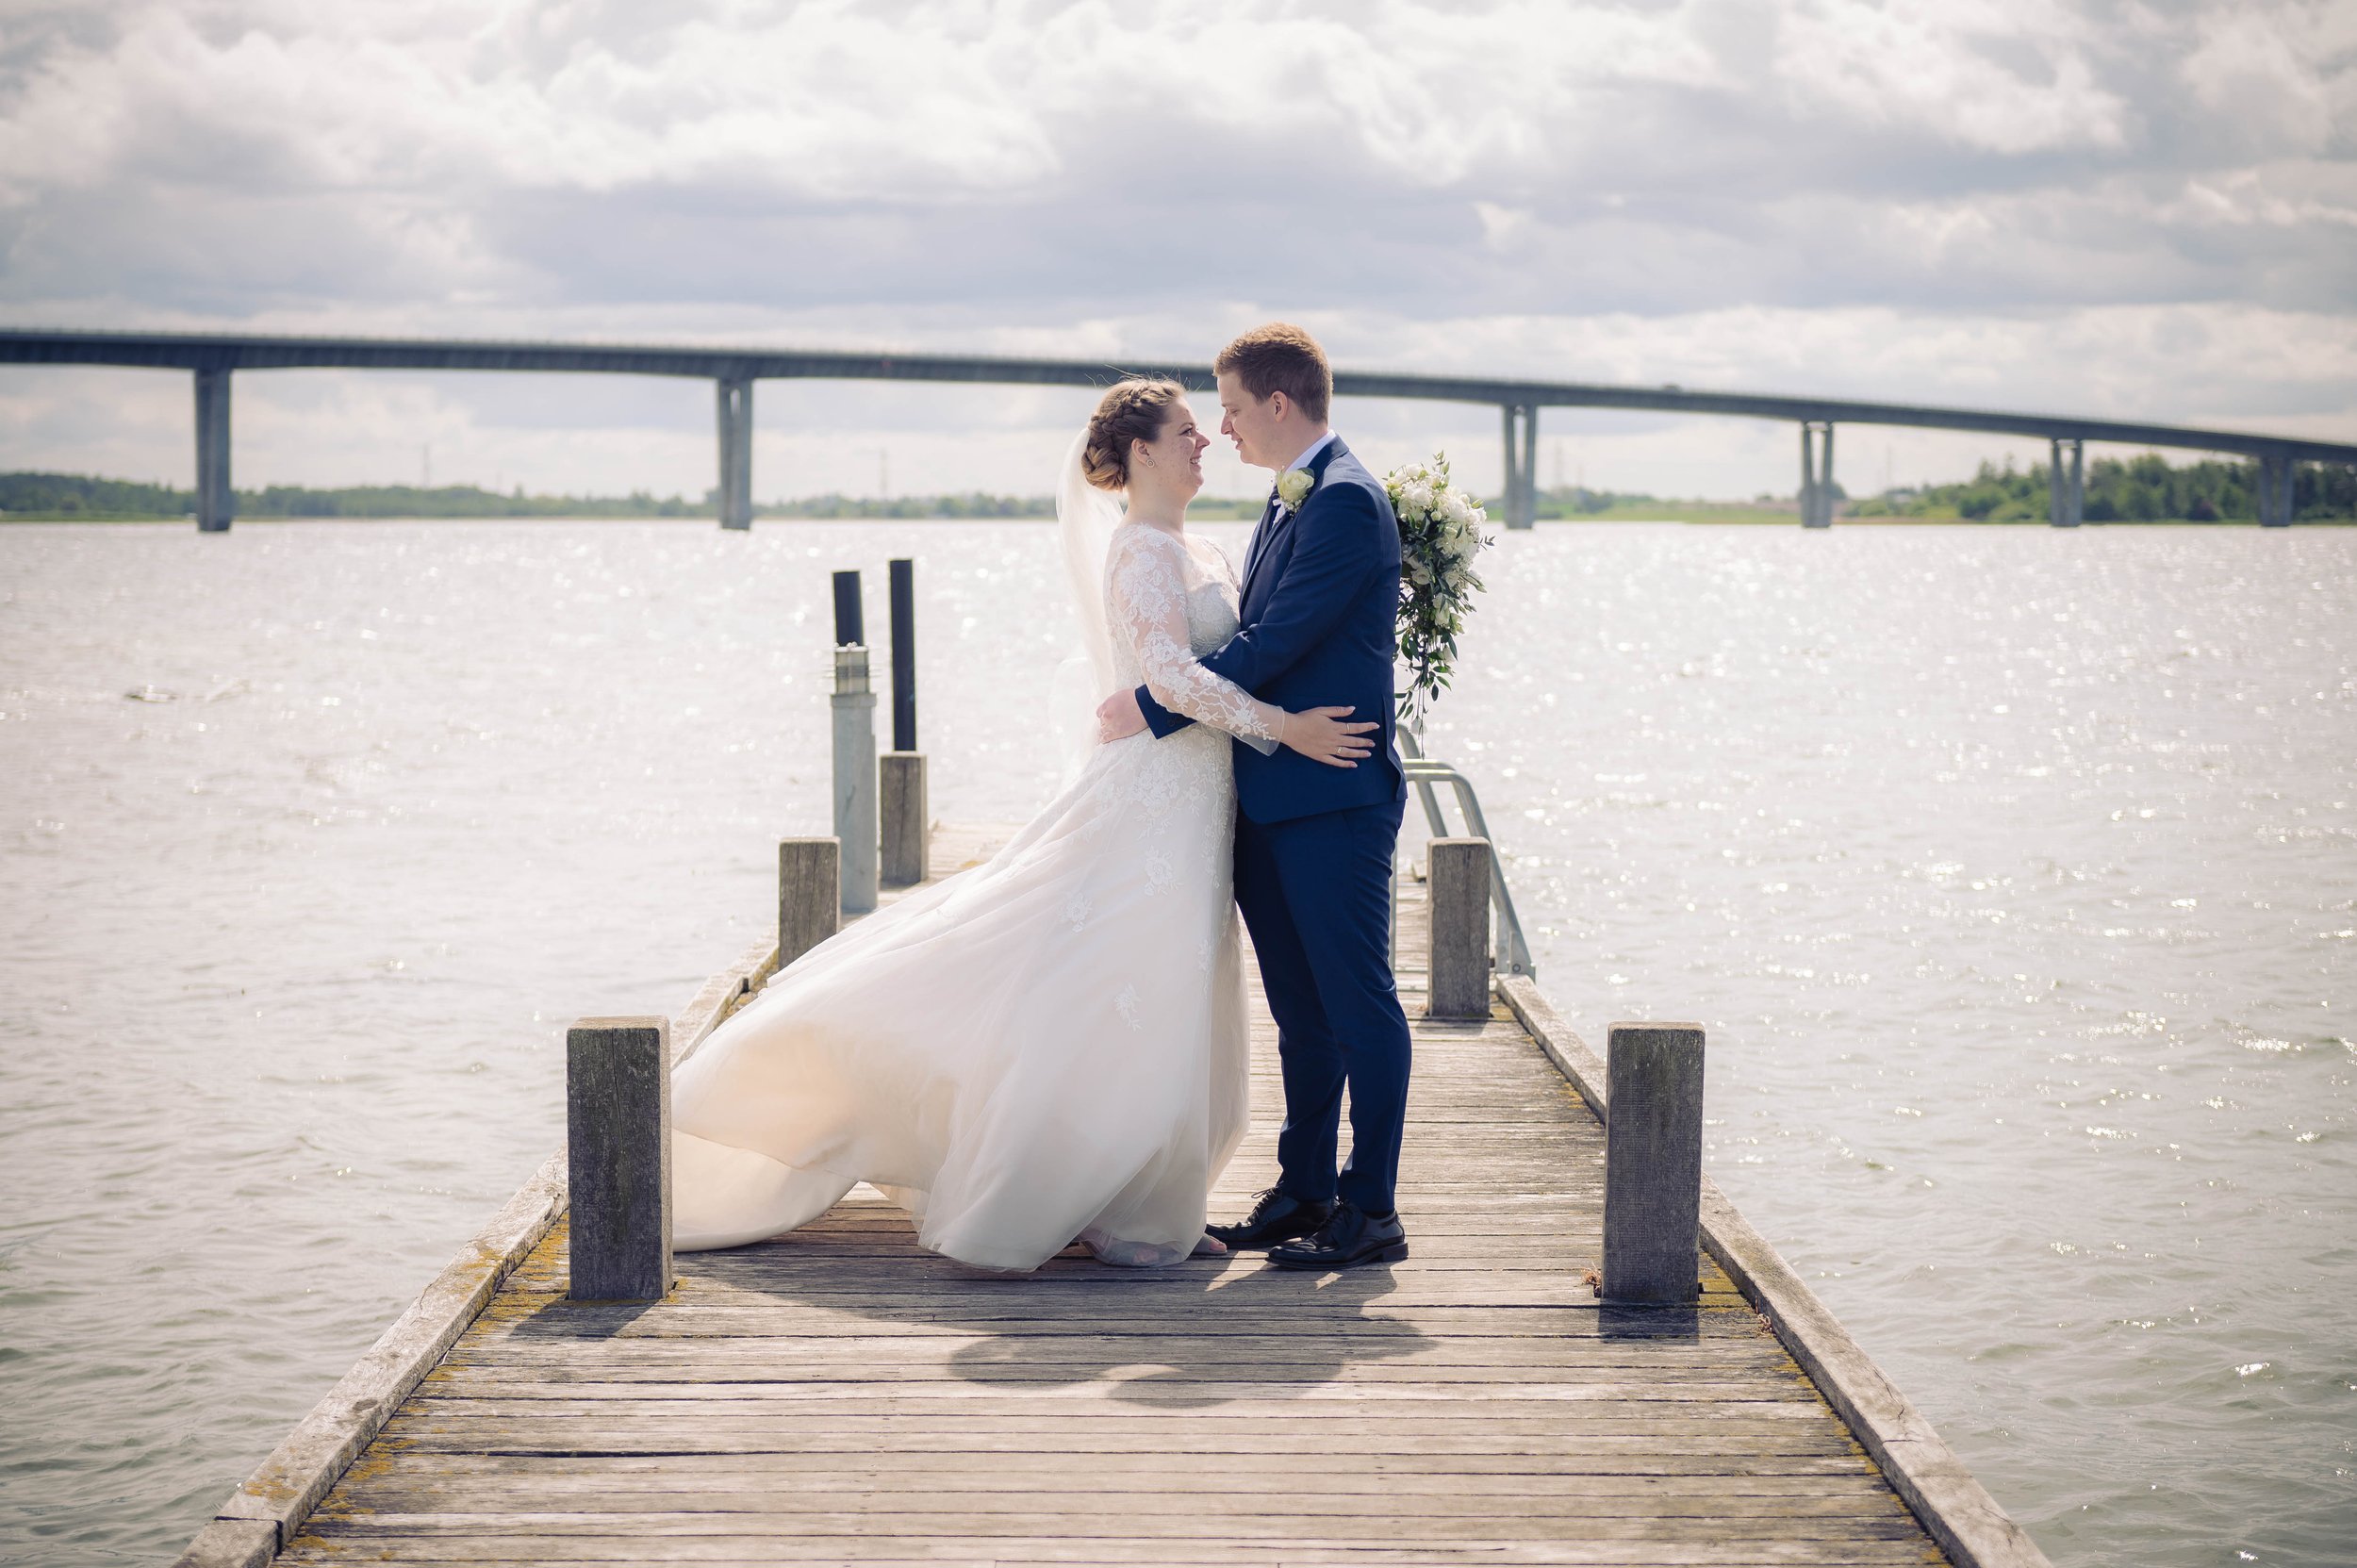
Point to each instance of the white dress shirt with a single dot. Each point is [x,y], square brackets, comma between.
[1310,450]
[1308,453]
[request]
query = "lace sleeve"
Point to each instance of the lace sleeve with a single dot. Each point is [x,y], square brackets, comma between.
[1146,596]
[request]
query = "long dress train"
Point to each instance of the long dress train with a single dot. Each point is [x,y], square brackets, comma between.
[1048,1046]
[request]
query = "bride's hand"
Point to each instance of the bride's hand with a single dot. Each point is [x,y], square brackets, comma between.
[1320,735]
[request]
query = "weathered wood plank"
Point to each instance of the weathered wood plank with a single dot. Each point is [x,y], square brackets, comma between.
[1704,1462]
[618,1153]
[1377,1527]
[1210,1548]
[1236,1500]
[1126,1475]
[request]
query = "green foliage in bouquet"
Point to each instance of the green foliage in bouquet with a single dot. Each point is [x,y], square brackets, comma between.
[1440,534]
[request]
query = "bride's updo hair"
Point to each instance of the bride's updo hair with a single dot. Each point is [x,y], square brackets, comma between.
[1131,410]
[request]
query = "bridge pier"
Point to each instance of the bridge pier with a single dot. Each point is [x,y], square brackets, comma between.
[2275,489]
[214,499]
[2066,490]
[1521,464]
[736,452]
[1816,474]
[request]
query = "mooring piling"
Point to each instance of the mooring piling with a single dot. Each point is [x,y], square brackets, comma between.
[906,821]
[618,1158]
[1457,874]
[1653,1164]
[854,704]
[810,895]
[901,794]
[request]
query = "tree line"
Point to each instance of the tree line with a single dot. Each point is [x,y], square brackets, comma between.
[70,496]
[2146,489]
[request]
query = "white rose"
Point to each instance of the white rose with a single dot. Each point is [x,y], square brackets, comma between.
[1453,508]
[1418,495]
[1293,487]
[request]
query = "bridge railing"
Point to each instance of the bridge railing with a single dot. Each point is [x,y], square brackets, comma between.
[1512,955]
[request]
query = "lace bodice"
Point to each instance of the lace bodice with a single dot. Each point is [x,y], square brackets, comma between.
[1170,599]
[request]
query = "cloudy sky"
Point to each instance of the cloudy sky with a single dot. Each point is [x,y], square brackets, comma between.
[2144,210]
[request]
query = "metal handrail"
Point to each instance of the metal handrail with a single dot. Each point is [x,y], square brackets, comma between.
[1512,955]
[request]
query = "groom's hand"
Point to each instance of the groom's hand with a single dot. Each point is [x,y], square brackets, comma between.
[1118,717]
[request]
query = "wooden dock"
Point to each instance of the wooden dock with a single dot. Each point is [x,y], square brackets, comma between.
[839,1396]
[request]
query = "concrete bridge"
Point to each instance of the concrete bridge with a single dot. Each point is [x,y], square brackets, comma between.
[212,357]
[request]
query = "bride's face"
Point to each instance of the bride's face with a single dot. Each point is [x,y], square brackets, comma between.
[1173,460]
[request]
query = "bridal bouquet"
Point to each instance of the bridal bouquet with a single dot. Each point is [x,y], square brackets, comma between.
[1440,532]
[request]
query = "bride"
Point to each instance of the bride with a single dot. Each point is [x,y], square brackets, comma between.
[1050,1045]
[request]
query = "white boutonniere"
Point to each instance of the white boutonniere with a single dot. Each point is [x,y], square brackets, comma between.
[1293,487]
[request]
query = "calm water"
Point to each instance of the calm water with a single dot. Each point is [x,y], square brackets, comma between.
[2014,874]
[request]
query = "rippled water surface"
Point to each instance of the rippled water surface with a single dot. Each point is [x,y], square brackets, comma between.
[2014,874]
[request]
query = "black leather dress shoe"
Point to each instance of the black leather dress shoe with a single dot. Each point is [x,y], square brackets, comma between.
[1350,1238]
[1276,1217]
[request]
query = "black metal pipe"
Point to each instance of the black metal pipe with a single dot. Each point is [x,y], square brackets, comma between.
[903,589]
[850,628]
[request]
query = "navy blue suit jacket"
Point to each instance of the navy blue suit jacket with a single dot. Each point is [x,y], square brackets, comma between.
[1319,612]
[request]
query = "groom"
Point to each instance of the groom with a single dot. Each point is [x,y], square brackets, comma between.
[1313,842]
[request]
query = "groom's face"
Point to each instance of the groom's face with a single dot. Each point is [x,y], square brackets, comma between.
[1253,423]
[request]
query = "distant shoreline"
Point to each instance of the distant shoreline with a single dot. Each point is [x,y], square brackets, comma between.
[2141,491]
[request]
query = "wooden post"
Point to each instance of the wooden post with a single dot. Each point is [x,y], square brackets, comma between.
[1652,1162]
[810,895]
[1458,885]
[618,1158]
[902,799]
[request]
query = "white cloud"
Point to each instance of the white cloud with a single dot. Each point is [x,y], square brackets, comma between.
[2249,72]
[1986,200]
[2004,78]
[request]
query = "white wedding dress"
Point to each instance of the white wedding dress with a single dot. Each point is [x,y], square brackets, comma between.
[1046,1047]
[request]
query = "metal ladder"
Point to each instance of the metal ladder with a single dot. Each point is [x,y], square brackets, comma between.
[1512,953]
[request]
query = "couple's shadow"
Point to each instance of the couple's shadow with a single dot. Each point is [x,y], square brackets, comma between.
[1193,1335]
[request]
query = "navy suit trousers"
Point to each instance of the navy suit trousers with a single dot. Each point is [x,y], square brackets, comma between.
[1316,894]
